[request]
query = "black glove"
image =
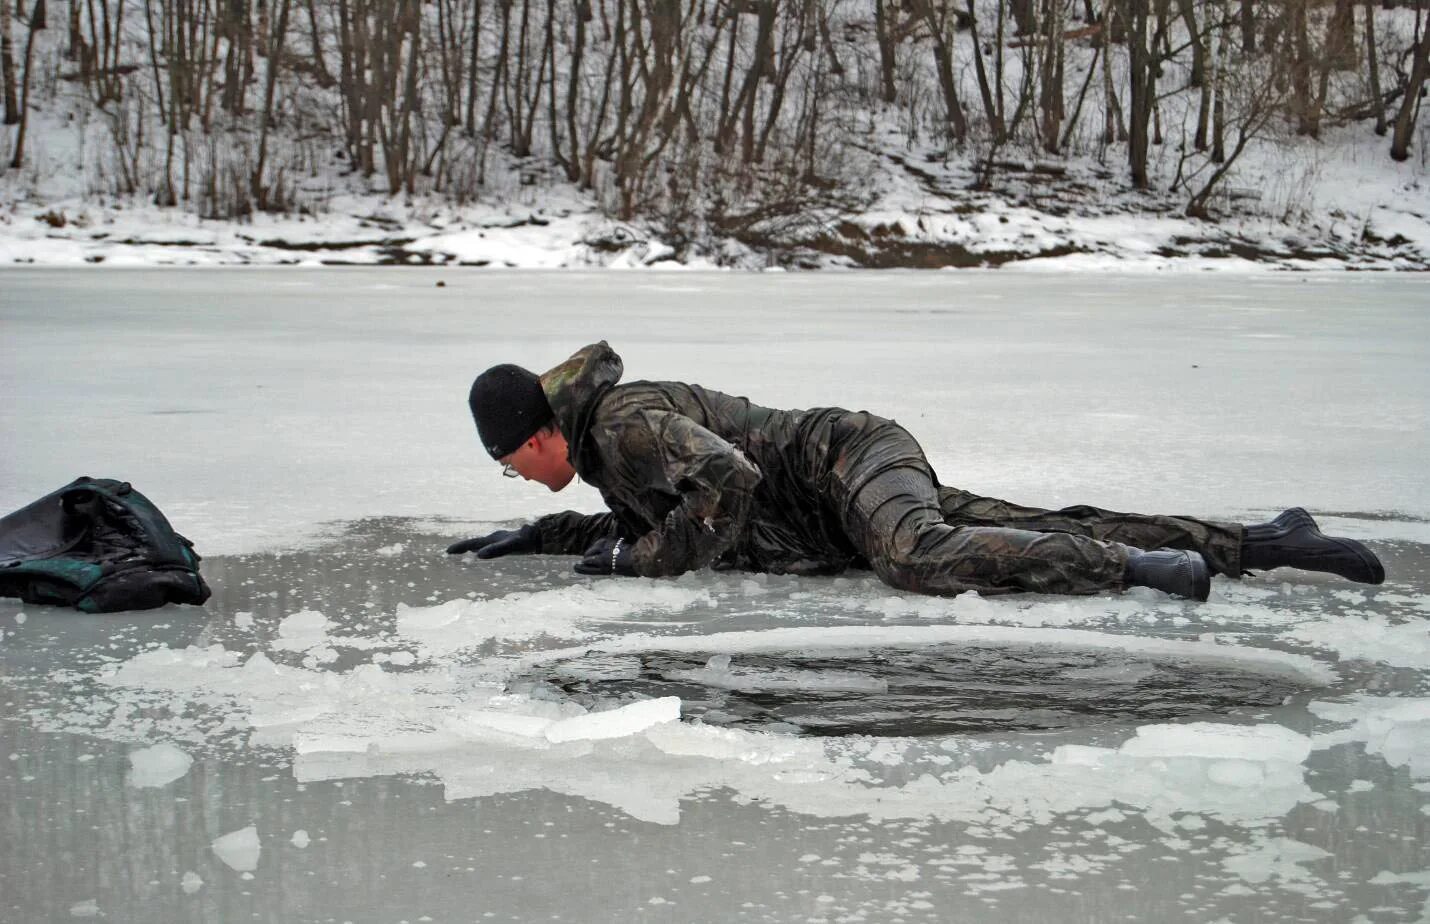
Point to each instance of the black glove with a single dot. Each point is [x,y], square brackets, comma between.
[524,541]
[609,556]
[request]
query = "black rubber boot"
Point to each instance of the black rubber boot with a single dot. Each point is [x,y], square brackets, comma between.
[1184,574]
[1293,540]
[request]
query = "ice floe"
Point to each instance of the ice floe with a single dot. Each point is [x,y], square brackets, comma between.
[564,612]
[239,849]
[1396,728]
[157,766]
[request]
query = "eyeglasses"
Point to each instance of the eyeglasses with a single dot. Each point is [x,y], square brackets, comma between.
[508,471]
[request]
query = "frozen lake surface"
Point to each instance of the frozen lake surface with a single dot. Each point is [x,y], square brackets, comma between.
[357,727]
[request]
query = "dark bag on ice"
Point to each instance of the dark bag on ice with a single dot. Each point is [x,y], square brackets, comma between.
[97,545]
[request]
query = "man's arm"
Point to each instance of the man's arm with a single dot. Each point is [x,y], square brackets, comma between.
[571,533]
[568,533]
[714,480]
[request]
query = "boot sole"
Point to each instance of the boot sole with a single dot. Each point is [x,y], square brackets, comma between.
[1198,579]
[1201,579]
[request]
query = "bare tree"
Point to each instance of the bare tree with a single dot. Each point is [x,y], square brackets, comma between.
[885,26]
[1142,86]
[1200,40]
[1050,99]
[266,194]
[936,18]
[1373,68]
[7,63]
[992,107]
[1410,103]
[1257,106]
[37,22]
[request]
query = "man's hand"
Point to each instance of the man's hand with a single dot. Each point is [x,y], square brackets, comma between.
[523,541]
[609,556]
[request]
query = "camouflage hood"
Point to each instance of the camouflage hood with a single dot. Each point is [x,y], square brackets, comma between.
[573,389]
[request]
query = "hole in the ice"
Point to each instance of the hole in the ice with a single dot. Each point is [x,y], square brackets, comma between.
[934,690]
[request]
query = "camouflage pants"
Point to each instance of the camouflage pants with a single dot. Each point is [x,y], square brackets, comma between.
[920,536]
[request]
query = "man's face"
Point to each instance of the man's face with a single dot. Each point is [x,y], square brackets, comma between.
[542,459]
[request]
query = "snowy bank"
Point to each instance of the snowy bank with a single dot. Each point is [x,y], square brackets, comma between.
[926,222]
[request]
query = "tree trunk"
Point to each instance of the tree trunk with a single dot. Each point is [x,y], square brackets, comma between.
[515,98]
[75,49]
[1113,128]
[788,59]
[154,58]
[1409,105]
[1051,101]
[275,48]
[573,88]
[1223,53]
[1373,68]
[595,126]
[1200,39]
[744,105]
[1340,36]
[412,25]
[7,63]
[1097,52]
[724,118]
[826,41]
[943,65]
[1197,39]
[1142,91]
[884,11]
[320,64]
[1025,17]
[37,22]
[998,70]
[347,81]
[165,195]
[472,62]
[991,110]
[1298,45]
[489,123]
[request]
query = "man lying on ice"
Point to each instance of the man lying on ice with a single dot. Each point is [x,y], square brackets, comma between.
[695,478]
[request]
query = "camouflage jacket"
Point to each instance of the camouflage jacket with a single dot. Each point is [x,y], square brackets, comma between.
[699,478]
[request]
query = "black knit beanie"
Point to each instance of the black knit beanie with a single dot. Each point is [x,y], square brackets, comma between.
[509,406]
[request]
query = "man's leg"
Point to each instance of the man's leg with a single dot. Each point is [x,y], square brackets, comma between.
[1219,543]
[894,521]
[883,490]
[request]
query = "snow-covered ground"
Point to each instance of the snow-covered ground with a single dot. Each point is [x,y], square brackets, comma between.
[358,727]
[1336,203]
[1351,210]
[883,183]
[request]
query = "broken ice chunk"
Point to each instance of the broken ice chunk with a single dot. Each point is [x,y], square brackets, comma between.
[1214,740]
[191,883]
[159,765]
[479,723]
[301,839]
[617,723]
[239,849]
[304,624]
